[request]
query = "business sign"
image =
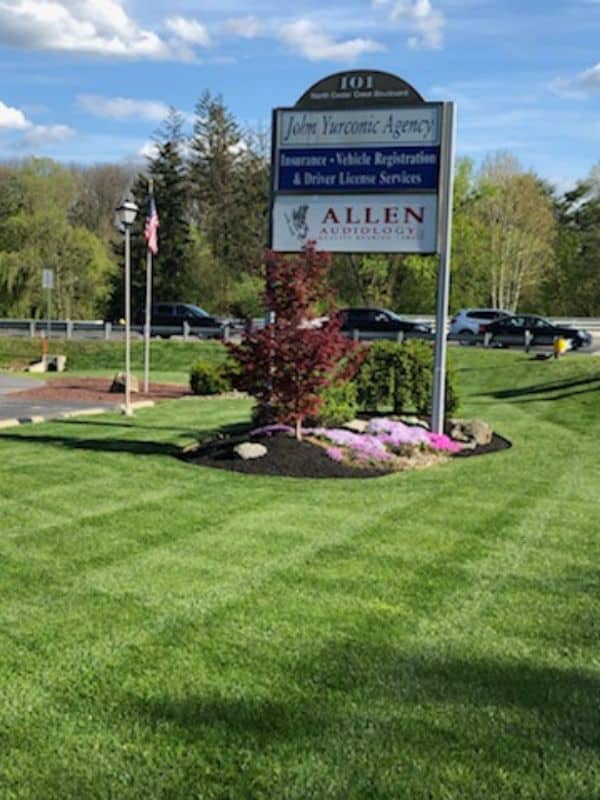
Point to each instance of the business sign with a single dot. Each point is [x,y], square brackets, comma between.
[362,164]
[369,150]
[353,137]
[358,223]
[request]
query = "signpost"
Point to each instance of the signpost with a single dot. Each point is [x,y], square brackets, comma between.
[48,283]
[363,164]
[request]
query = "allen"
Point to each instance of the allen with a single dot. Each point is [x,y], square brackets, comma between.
[367,216]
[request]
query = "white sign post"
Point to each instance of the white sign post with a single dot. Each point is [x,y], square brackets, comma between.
[443,287]
[362,164]
[48,283]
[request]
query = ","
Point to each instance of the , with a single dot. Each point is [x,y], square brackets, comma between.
[511,331]
[380,323]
